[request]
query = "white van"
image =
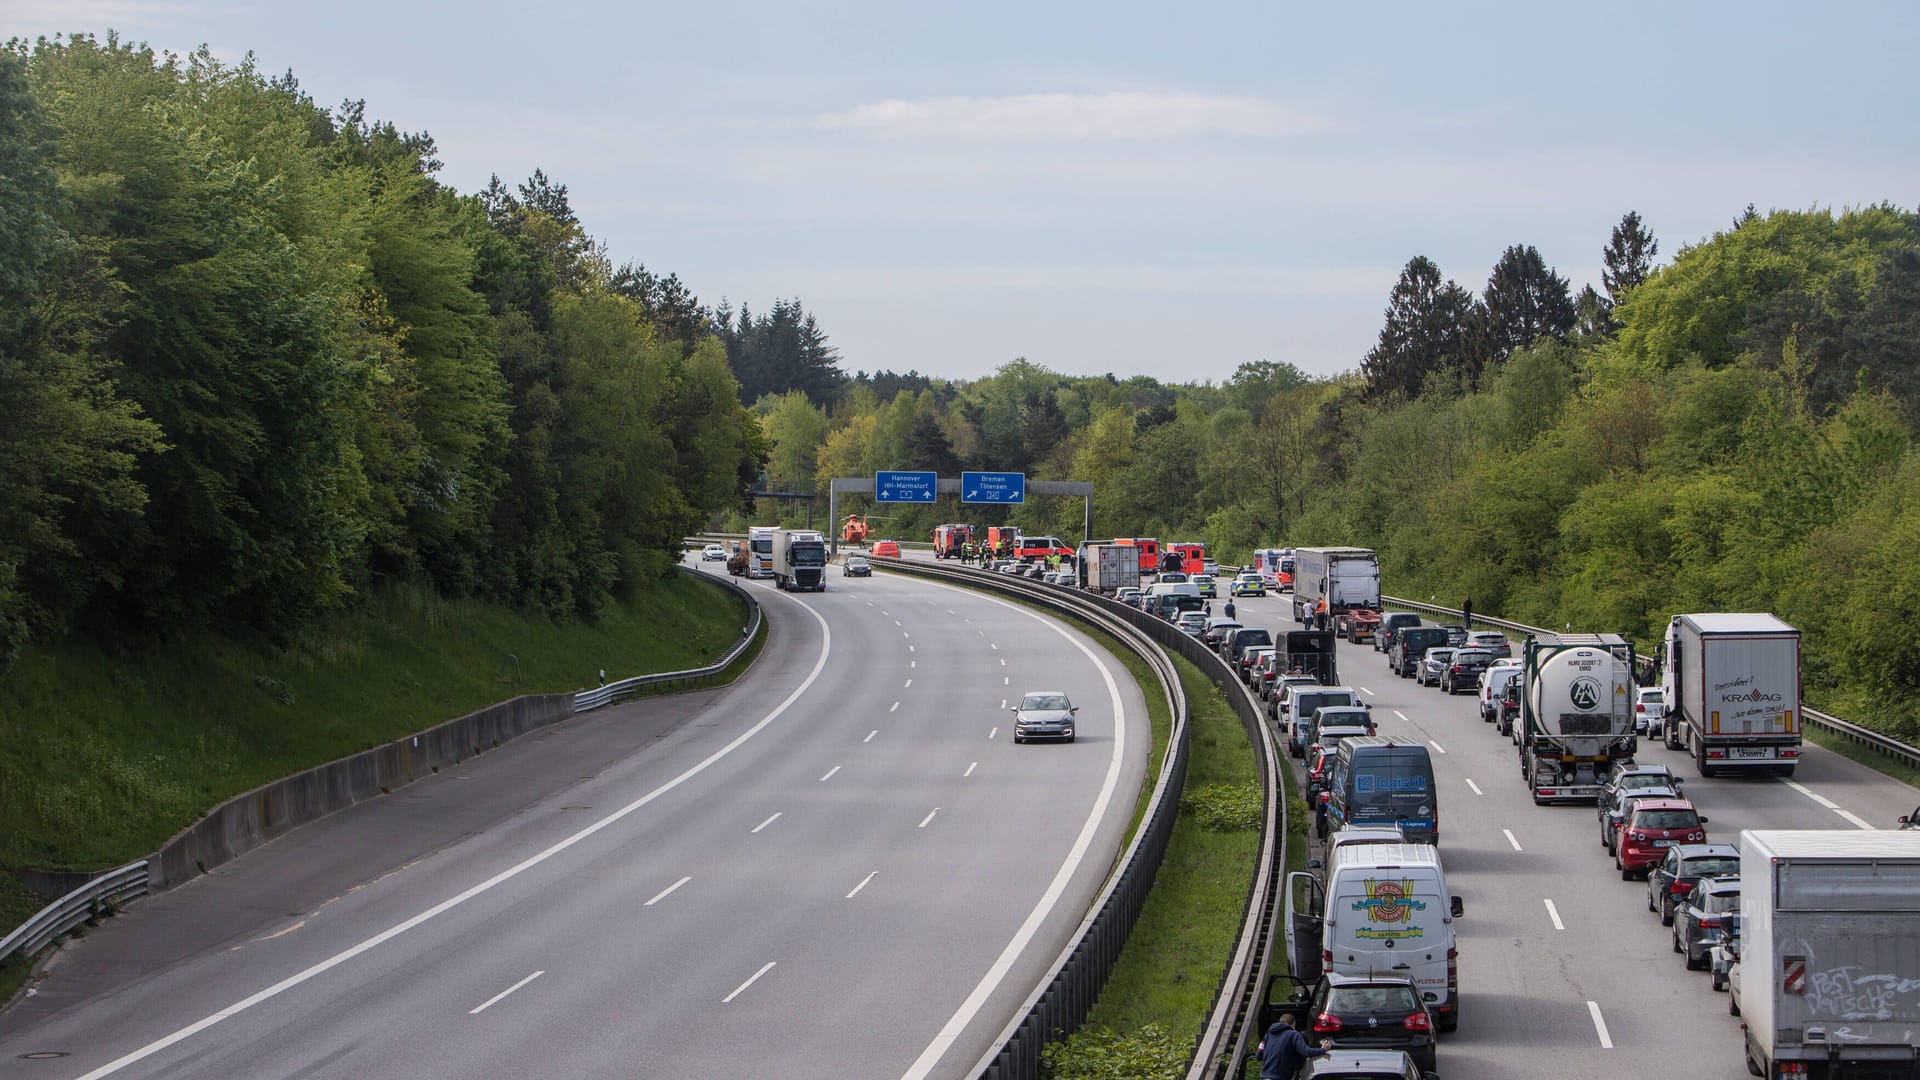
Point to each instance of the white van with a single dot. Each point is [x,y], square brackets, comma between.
[1493,684]
[1383,907]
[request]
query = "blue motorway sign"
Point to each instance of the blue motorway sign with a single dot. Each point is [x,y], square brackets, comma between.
[993,487]
[905,487]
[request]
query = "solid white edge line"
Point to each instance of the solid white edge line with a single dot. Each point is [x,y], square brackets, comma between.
[1600,1025]
[511,872]
[1812,794]
[1474,786]
[742,988]
[929,817]
[1511,840]
[502,994]
[862,885]
[775,817]
[1851,816]
[671,889]
[995,975]
[1554,914]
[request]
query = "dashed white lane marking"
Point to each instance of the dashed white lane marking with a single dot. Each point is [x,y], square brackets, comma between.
[929,817]
[1003,703]
[1006,681]
[904,633]
[1600,1025]
[896,622]
[1554,914]
[669,890]
[909,684]
[1474,786]
[949,611]
[896,707]
[912,649]
[1436,746]
[1003,661]
[995,646]
[1511,840]
[869,603]
[741,989]
[1401,715]
[870,735]
[764,824]
[970,769]
[913,663]
[992,733]
[495,998]
[969,622]
[1364,690]
[883,611]
[836,769]
[862,885]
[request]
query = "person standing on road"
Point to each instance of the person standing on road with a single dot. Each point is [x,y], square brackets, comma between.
[1320,614]
[1466,611]
[1229,608]
[1284,1050]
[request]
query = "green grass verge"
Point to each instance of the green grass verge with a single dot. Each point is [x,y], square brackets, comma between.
[1169,972]
[103,756]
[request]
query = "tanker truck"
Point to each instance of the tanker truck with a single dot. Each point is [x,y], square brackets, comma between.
[1576,714]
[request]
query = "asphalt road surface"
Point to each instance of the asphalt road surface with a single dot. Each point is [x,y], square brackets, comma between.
[1563,970]
[841,866]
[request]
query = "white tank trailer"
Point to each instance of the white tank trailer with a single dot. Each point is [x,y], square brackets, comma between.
[1578,713]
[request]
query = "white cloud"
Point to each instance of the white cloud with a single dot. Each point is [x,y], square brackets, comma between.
[1118,115]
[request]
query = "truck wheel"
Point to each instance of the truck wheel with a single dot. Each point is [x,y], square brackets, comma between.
[1672,733]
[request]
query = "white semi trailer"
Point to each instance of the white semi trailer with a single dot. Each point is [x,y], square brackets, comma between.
[1733,691]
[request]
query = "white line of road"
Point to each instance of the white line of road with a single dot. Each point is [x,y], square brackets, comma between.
[1401,715]
[511,872]
[990,982]
[870,735]
[929,817]
[896,707]
[1600,1025]
[1511,840]
[1364,690]
[1554,914]
[1436,746]
[909,684]
[970,769]
[769,821]
[1855,819]
[1474,786]
[497,997]
[738,990]
[862,885]
[669,890]
[993,646]
[830,773]
[992,733]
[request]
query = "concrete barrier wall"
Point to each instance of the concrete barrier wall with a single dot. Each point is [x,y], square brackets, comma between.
[248,820]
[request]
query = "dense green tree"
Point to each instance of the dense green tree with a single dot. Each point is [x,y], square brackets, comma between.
[1525,301]
[1425,328]
[780,351]
[1627,259]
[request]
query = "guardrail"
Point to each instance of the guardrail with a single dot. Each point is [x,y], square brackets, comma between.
[587,700]
[1902,752]
[1073,982]
[85,903]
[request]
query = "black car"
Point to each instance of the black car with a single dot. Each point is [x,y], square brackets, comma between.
[1390,623]
[1463,670]
[1456,634]
[1698,919]
[1683,867]
[1359,1012]
[1410,644]
[856,566]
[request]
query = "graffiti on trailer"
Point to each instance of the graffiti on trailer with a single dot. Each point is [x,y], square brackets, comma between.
[1843,993]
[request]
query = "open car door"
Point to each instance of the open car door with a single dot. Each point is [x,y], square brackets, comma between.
[1306,904]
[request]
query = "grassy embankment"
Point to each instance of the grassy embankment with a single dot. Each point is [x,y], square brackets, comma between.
[102,757]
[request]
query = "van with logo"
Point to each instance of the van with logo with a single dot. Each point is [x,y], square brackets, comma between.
[1382,908]
[1384,781]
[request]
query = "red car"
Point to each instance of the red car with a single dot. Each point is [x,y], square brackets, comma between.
[1654,826]
[889,549]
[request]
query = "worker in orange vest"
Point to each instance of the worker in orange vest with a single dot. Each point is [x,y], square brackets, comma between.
[1320,612]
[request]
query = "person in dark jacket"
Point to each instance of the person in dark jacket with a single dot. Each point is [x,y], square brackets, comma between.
[1466,612]
[1284,1050]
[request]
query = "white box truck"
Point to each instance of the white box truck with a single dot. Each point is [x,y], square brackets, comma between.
[1828,980]
[1347,578]
[1732,686]
[800,560]
[1107,566]
[760,550]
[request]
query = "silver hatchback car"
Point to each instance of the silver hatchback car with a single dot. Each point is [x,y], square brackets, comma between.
[1043,714]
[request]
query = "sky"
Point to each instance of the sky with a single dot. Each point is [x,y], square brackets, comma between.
[1164,190]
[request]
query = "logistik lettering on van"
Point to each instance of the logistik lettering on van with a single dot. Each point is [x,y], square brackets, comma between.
[1389,902]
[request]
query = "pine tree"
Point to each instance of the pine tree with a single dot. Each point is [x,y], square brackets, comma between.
[1427,323]
[1525,302]
[1628,258]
